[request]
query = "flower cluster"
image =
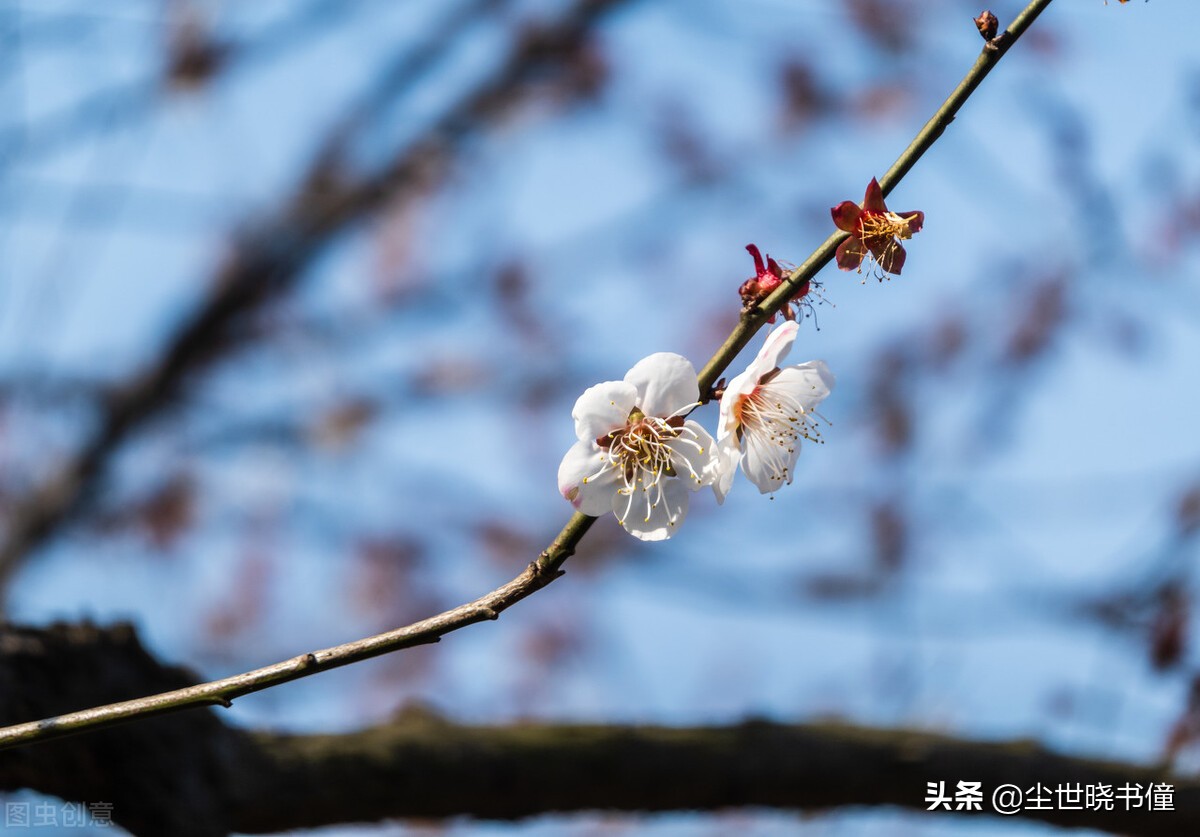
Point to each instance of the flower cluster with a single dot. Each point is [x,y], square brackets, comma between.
[639,456]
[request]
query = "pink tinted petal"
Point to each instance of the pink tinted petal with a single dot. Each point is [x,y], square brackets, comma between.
[741,385]
[850,253]
[916,220]
[665,383]
[583,481]
[778,344]
[767,283]
[845,216]
[603,408]
[873,199]
[774,268]
[651,515]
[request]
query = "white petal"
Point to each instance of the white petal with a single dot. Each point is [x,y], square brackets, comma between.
[728,456]
[809,383]
[767,464]
[778,344]
[666,383]
[603,408]
[583,480]
[694,455]
[651,514]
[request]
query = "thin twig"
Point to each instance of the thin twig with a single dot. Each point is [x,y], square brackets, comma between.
[547,567]
[223,692]
[753,320]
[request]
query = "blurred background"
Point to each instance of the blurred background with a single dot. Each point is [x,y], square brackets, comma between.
[296,298]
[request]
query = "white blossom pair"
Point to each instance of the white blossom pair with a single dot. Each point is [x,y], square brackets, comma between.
[638,455]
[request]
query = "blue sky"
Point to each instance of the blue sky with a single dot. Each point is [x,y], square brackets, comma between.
[1028,489]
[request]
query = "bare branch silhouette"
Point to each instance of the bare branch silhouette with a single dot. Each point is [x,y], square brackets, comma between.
[192,776]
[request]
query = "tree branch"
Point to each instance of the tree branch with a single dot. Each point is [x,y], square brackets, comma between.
[191,775]
[223,692]
[547,567]
[753,319]
[427,767]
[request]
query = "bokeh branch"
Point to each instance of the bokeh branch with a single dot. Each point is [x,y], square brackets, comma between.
[308,231]
[194,58]
[193,776]
[442,769]
[270,260]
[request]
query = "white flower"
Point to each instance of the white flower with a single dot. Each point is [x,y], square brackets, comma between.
[766,411]
[637,456]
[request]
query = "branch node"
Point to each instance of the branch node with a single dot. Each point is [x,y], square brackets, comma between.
[999,42]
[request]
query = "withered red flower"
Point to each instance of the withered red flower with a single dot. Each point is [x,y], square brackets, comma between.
[767,277]
[874,229]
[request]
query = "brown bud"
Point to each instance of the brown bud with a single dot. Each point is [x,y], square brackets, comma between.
[987,24]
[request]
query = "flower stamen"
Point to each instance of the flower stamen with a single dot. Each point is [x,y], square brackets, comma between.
[641,453]
[643,461]
[768,411]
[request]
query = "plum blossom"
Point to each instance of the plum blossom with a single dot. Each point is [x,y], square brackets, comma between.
[767,277]
[766,411]
[637,455]
[874,229]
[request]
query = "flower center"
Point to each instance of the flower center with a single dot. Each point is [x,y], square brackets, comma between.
[773,421]
[640,449]
[644,453]
[881,225]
